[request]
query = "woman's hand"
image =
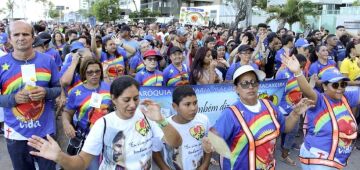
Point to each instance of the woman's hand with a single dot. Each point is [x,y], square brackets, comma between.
[151,110]
[47,149]
[223,61]
[213,64]
[303,106]
[291,63]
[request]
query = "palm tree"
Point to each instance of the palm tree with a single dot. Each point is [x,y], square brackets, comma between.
[10,4]
[291,12]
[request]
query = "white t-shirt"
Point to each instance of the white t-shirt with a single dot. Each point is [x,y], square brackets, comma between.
[190,154]
[128,143]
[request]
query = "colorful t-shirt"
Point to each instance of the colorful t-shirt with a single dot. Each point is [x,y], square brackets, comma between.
[150,78]
[76,81]
[115,65]
[234,67]
[190,154]
[318,139]
[175,77]
[136,63]
[55,55]
[33,118]
[79,100]
[292,93]
[127,146]
[319,69]
[260,125]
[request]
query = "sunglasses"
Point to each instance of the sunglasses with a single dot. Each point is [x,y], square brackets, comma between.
[246,84]
[92,72]
[339,84]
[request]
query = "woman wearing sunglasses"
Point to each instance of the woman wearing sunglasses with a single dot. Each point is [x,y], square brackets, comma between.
[250,126]
[332,127]
[88,102]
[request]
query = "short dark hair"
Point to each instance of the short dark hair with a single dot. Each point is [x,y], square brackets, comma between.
[301,58]
[340,26]
[262,25]
[270,37]
[285,39]
[349,46]
[87,39]
[119,85]
[181,92]
[250,36]
[329,36]
[85,65]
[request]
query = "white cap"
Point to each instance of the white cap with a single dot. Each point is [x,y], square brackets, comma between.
[246,68]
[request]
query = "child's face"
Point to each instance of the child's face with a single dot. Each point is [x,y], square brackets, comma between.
[187,107]
[177,57]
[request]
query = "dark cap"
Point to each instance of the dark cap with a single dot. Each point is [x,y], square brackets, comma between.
[38,42]
[245,48]
[174,49]
[76,45]
[45,36]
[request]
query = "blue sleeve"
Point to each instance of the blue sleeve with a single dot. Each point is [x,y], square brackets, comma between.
[280,117]
[103,56]
[255,66]
[70,102]
[138,78]
[57,58]
[68,59]
[353,96]
[134,62]
[313,69]
[280,75]
[122,52]
[224,125]
[55,75]
[230,72]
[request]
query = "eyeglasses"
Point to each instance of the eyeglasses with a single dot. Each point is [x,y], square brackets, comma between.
[92,72]
[246,84]
[339,84]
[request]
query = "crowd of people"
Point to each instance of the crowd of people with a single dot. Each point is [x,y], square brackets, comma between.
[70,95]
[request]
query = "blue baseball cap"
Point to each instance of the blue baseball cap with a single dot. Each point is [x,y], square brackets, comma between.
[76,45]
[333,75]
[301,42]
[149,37]
[3,38]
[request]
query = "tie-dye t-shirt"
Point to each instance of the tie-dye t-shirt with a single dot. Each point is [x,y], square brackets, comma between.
[33,118]
[150,78]
[292,93]
[319,137]
[260,125]
[79,101]
[175,77]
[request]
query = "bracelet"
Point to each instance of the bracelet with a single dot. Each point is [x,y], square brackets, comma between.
[296,76]
[163,123]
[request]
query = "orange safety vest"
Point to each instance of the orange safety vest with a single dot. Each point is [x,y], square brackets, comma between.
[254,143]
[335,138]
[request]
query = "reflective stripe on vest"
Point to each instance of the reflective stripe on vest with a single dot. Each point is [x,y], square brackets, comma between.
[335,138]
[250,137]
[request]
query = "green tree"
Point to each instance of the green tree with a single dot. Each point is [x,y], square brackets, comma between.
[10,5]
[54,14]
[107,10]
[356,3]
[291,12]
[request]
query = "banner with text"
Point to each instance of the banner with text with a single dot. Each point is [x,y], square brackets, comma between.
[214,98]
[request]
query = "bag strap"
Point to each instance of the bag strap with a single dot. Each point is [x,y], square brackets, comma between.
[103,137]
[335,128]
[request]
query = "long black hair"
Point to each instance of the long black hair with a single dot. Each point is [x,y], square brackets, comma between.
[197,65]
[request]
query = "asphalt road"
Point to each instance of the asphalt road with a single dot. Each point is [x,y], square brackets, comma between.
[353,164]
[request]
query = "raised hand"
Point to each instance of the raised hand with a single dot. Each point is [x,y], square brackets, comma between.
[244,40]
[303,106]
[47,149]
[151,110]
[291,63]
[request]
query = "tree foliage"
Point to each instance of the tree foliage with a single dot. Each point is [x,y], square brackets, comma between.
[356,3]
[54,14]
[106,10]
[10,5]
[145,14]
[291,12]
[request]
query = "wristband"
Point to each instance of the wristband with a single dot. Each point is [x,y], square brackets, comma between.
[163,123]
